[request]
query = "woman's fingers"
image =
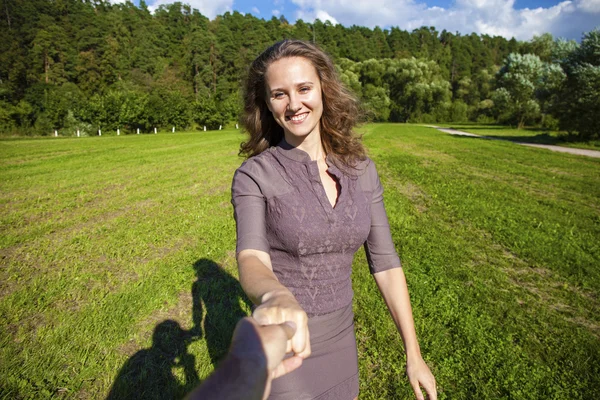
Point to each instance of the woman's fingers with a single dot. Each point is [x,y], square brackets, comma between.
[430,387]
[419,376]
[417,389]
[303,349]
[300,341]
[431,391]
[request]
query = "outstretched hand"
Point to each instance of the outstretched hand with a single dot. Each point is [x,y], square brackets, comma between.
[419,376]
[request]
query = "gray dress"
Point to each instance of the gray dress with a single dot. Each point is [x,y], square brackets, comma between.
[281,207]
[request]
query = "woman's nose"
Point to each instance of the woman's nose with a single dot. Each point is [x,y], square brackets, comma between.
[294,104]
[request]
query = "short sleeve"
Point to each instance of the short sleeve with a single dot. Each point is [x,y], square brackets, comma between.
[249,209]
[379,247]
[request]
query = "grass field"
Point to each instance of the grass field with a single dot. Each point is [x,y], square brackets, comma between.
[118,276]
[527,135]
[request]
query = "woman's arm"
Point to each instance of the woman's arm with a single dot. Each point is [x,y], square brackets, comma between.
[276,304]
[393,288]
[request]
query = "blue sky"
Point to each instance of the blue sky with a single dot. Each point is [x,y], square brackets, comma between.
[519,18]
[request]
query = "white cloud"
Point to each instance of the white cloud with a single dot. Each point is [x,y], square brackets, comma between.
[324,16]
[591,6]
[275,12]
[255,10]
[493,17]
[208,8]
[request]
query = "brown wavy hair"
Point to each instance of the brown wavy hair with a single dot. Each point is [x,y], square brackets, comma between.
[341,110]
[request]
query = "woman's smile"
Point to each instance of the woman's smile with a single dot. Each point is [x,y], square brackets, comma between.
[298,118]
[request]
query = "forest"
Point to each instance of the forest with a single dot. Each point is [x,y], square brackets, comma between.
[89,65]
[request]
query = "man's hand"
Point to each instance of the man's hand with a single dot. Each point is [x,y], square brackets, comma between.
[255,358]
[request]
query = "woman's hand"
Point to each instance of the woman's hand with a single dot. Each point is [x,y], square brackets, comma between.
[280,306]
[419,376]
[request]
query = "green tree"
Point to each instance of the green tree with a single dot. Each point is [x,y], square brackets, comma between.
[207,114]
[530,83]
[417,89]
[579,104]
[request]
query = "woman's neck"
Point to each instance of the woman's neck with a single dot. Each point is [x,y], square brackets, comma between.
[310,144]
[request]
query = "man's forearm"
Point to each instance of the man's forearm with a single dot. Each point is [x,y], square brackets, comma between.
[235,378]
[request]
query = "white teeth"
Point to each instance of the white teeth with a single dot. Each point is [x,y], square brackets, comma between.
[297,118]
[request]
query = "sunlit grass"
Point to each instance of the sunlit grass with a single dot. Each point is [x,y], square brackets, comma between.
[118,266]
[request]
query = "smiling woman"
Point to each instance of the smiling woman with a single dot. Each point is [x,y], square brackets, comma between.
[305,201]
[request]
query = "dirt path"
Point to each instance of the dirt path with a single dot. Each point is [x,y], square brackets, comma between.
[570,150]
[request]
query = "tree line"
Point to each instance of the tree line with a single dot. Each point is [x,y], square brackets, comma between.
[85,65]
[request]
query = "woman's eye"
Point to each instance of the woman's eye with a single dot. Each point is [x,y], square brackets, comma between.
[304,89]
[278,95]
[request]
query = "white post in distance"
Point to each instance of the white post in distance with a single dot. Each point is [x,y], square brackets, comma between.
[77,132]
[236,126]
[138,131]
[204,128]
[155,130]
[55,133]
[220,126]
[118,131]
[99,132]
[173,130]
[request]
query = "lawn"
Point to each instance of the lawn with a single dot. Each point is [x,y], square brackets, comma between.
[527,135]
[118,274]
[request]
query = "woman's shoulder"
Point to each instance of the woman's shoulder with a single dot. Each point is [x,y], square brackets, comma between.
[258,169]
[365,165]
[257,164]
[361,169]
[366,172]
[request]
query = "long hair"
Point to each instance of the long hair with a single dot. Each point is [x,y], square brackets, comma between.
[341,110]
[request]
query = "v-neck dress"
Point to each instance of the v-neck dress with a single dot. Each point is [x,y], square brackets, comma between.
[281,207]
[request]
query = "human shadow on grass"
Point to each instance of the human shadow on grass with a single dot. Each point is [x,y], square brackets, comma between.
[217,307]
[148,374]
[218,297]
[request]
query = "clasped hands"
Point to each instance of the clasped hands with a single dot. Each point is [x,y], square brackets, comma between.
[281,306]
[279,326]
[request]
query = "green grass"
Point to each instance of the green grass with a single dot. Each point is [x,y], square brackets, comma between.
[527,135]
[118,267]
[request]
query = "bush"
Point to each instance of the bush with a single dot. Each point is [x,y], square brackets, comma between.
[550,123]
[485,120]
[458,111]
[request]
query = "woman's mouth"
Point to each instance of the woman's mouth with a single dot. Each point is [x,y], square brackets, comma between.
[297,119]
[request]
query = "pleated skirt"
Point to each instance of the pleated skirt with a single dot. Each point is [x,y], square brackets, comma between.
[331,371]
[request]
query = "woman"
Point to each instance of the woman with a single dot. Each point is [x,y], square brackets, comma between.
[305,200]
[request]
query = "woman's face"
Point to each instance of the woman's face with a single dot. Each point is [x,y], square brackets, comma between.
[294,97]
